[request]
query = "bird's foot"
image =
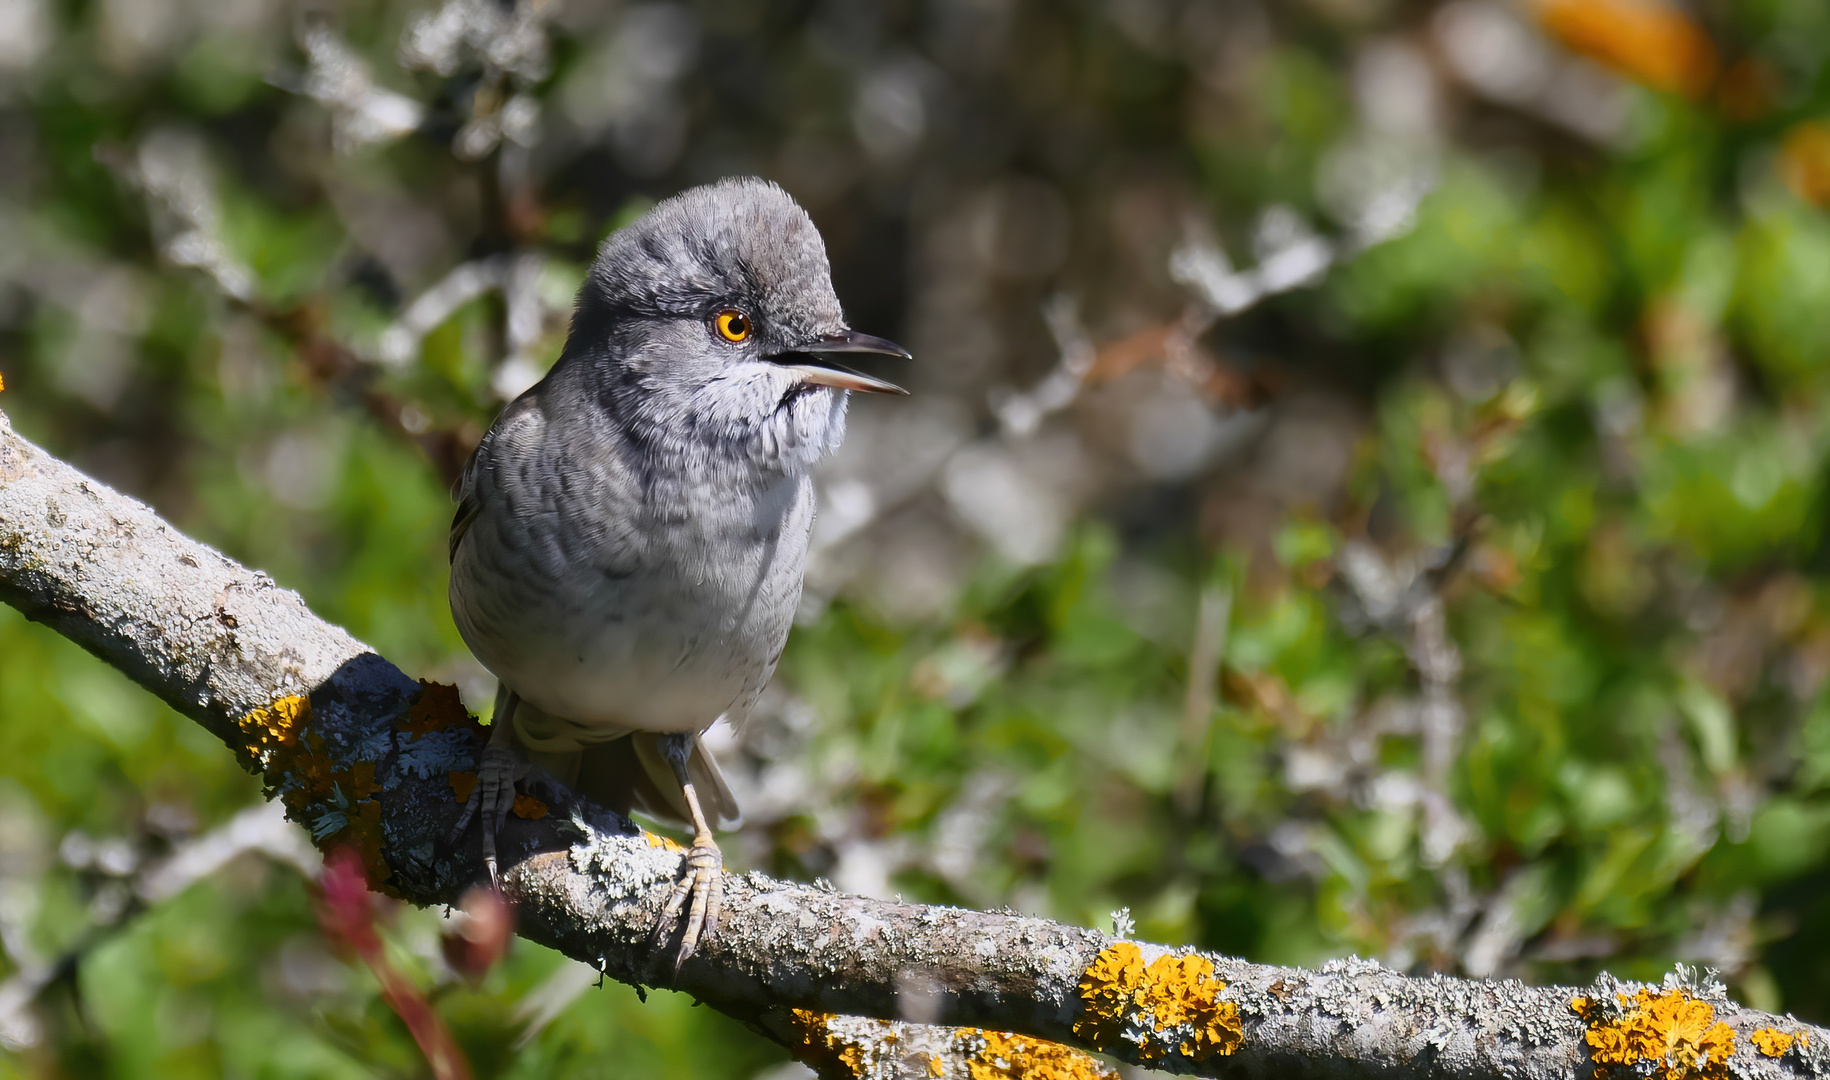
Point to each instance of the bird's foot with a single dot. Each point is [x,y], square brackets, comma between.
[499,774]
[696,895]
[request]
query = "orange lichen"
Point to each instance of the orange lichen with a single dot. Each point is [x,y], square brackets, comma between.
[526,807]
[276,726]
[361,780]
[305,776]
[824,1046]
[997,1055]
[1171,1005]
[818,1045]
[462,784]
[1772,1042]
[436,708]
[335,799]
[1106,988]
[1674,1033]
[656,840]
[1647,41]
[868,1049]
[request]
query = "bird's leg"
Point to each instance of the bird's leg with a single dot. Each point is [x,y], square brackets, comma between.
[700,878]
[494,793]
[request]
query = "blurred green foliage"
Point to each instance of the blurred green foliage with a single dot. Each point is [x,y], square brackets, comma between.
[1526,584]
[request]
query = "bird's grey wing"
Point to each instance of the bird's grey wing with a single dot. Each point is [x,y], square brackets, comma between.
[465,491]
[469,498]
[515,434]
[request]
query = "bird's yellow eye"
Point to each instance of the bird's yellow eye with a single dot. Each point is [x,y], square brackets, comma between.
[732,325]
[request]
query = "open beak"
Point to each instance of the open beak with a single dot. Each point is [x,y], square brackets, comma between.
[815,365]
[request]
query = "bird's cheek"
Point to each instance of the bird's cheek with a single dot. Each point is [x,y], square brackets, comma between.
[733,397]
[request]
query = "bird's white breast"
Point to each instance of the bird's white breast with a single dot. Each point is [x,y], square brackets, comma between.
[687,629]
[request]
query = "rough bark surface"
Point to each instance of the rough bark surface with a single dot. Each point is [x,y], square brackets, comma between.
[365,756]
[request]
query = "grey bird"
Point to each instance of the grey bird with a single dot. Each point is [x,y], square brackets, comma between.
[631,533]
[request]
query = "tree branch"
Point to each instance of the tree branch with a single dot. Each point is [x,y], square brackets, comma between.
[368,758]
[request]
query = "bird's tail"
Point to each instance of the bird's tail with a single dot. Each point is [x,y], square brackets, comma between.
[658,792]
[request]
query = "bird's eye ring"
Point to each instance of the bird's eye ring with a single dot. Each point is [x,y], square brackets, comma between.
[732,325]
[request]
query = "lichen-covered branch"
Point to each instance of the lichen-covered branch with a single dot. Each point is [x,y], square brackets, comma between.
[858,1047]
[370,759]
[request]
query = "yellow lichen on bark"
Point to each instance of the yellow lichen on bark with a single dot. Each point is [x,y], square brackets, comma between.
[867,1053]
[666,843]
[275,726]
[1674,1033]
[818,1045]
[998,1055]
[879,1050]
[336,803]
[462,784]
[1775,1043]
[1173,1004]
[525,807]
[1106,992]
[437,707]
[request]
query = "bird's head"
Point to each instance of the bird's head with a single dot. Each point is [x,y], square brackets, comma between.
[714,314]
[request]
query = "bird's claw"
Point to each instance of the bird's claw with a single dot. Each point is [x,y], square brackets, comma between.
[702,883]
[498,774]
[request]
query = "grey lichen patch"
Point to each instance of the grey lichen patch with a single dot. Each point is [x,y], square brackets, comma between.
[1340,998]
[1434,1025]
[865,1049]
[1354,966]
[865,927]
[437,752]
[1258,998]
[1813,1055]
[13,454]
[627,869]
[1700,983]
